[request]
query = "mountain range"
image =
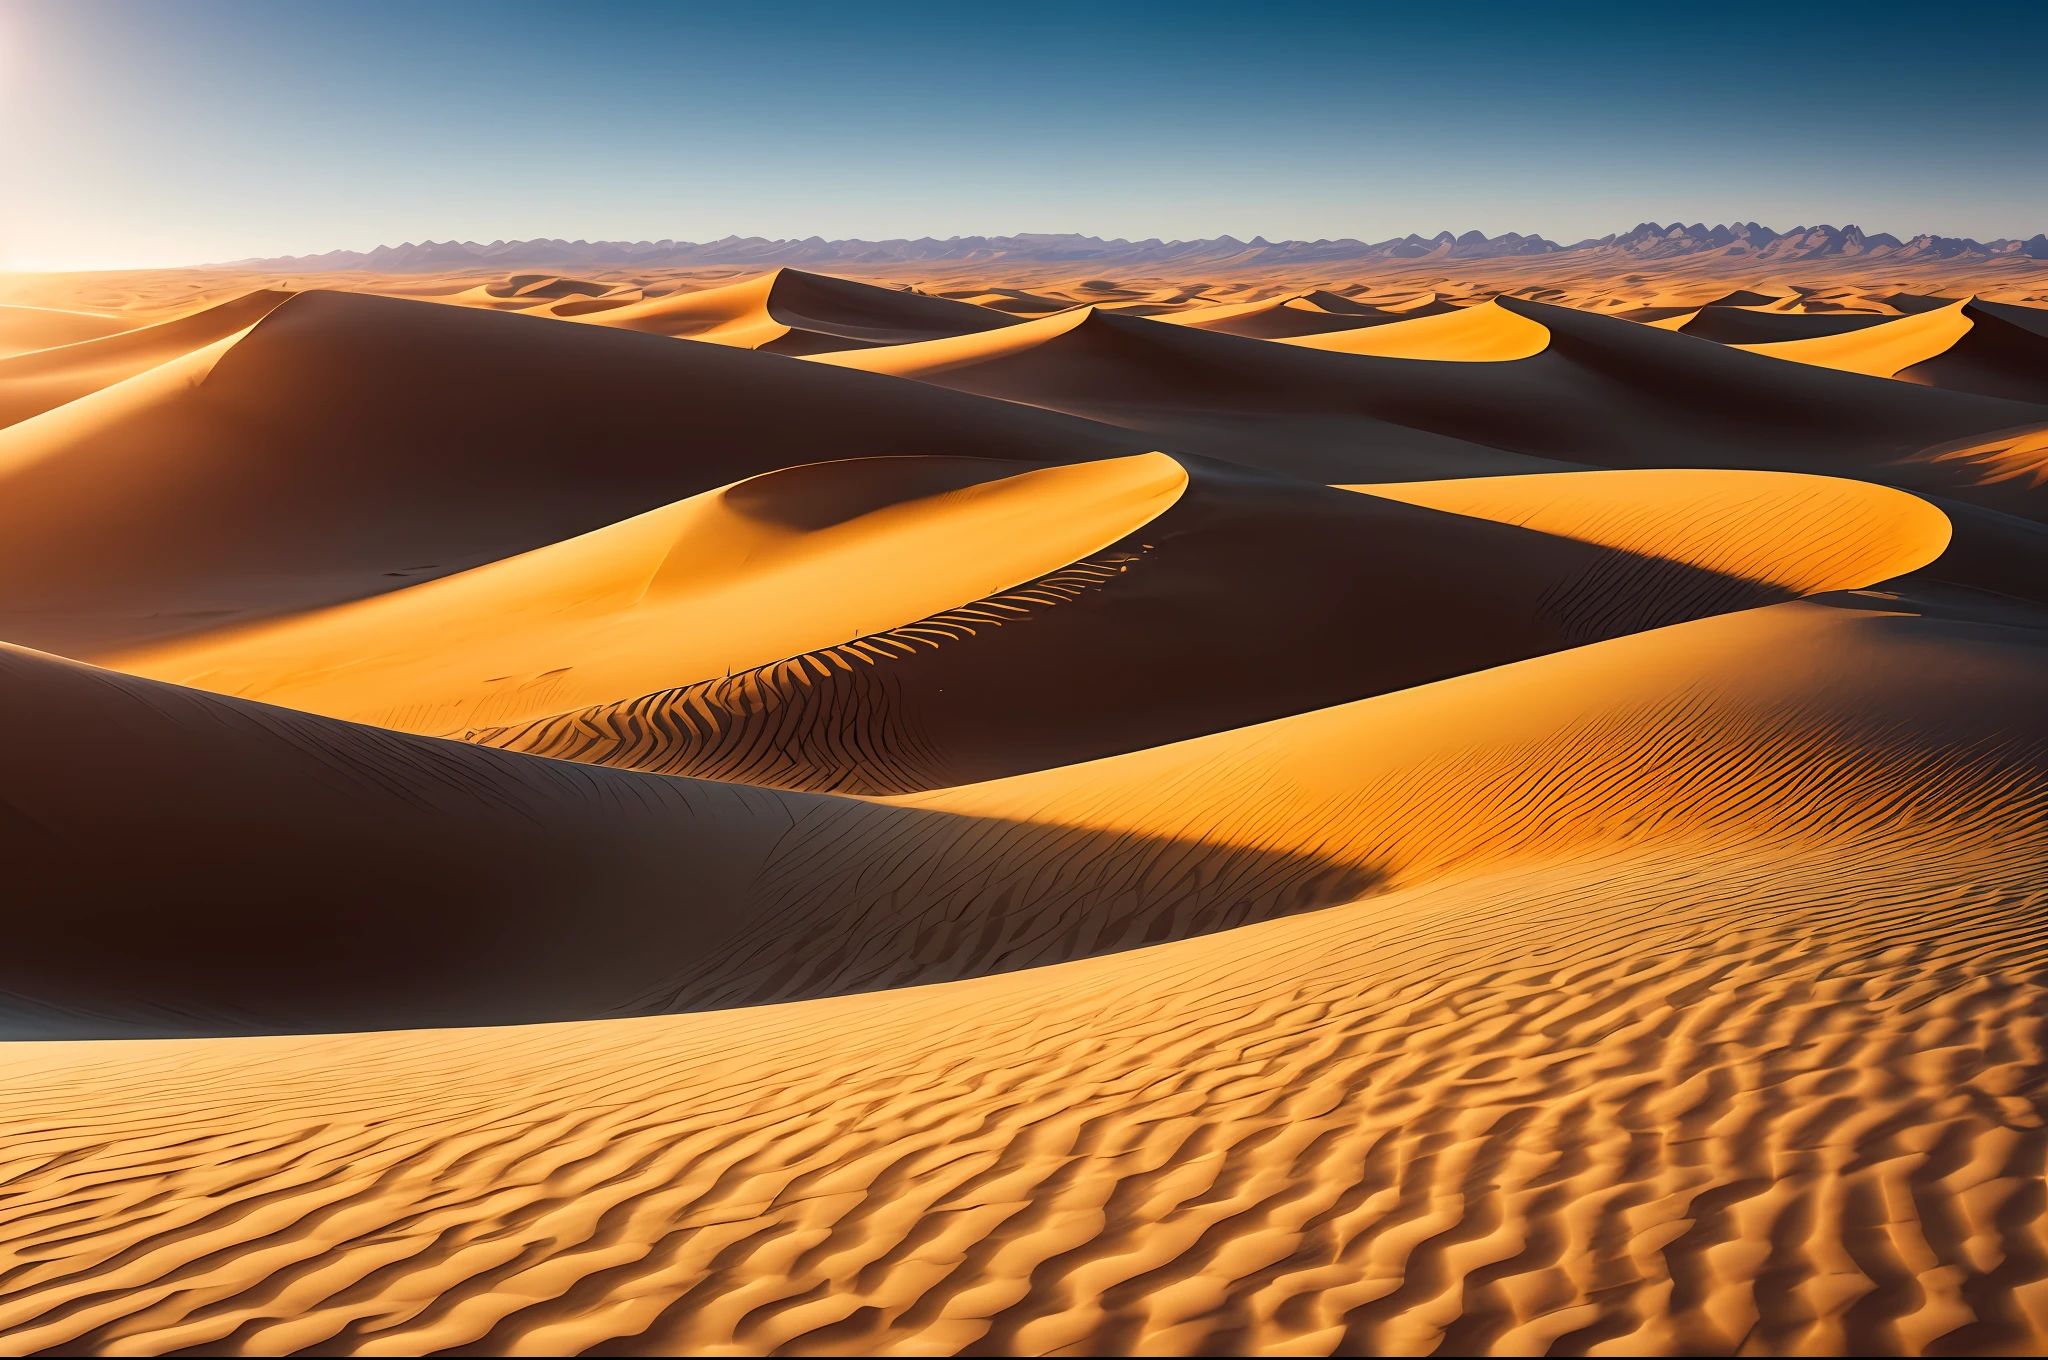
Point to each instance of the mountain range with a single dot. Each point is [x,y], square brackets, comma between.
[1649,241]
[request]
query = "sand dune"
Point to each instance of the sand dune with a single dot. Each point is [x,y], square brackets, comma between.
[1488,333]
[1212,393]
[30,328]
[1310,313]
[1801,535]
[1880,351]
[2003,354]
[918,707]
[1604,392]
[1747,1068]
[1758,326]
[789,895]
[770,567]
[1966,346]
[791,312]
[1015,300]
[349,445]
[545,295]
[905,654]
[44,379]
[1176,826]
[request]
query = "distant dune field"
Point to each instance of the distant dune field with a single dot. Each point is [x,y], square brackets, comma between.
[1443,809]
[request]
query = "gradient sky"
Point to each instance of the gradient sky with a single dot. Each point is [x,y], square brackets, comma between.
[155,132]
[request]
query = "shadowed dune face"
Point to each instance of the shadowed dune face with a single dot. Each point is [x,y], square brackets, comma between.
[1497,830]
[352,444]
[791,312]
[2003,354]
[1756,326]
[1963,345]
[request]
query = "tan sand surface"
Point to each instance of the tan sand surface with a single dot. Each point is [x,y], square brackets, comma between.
[1458,809]
[30,328]
[1731,1077]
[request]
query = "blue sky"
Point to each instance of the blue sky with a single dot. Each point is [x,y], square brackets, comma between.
[147,132]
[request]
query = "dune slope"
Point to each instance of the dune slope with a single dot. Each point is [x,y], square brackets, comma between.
[1180,826]
[770,567]
[1278,318]
[1796,533]
[351,444]
[29,328]
[791,312]
[1993,349]
[1698,1008]
[1878,351]
[47,378]
[1487,333]
[612,892]
[1277,407]
[1759,326]
[1401,596]
[2004,354]
[1603,392]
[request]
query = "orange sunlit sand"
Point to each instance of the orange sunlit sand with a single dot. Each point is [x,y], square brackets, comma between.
[1024,813]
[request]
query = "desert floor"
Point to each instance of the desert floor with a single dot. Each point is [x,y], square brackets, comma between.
[1495,812]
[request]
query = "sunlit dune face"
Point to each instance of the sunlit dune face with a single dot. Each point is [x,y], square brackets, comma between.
[1483,334]
[2012,456]
[744,576]
[1464,810]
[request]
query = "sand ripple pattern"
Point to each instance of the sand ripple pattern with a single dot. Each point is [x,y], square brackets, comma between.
[1793,1104]
[829,721]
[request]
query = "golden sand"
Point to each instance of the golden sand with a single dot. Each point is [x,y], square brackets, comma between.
[1073,816]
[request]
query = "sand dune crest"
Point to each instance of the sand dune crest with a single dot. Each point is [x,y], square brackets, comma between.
[47,378]
[31,328]
[1880,351]
[1487,333]
[792,312]
[1800,534]
[779,564]
[986,690]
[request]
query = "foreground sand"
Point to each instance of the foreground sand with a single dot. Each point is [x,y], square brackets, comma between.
[1299,825]
[1728,1081]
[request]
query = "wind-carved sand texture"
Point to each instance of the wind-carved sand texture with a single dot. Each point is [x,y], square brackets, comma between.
[1037,815]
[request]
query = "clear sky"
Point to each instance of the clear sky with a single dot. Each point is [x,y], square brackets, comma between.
[147,132]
